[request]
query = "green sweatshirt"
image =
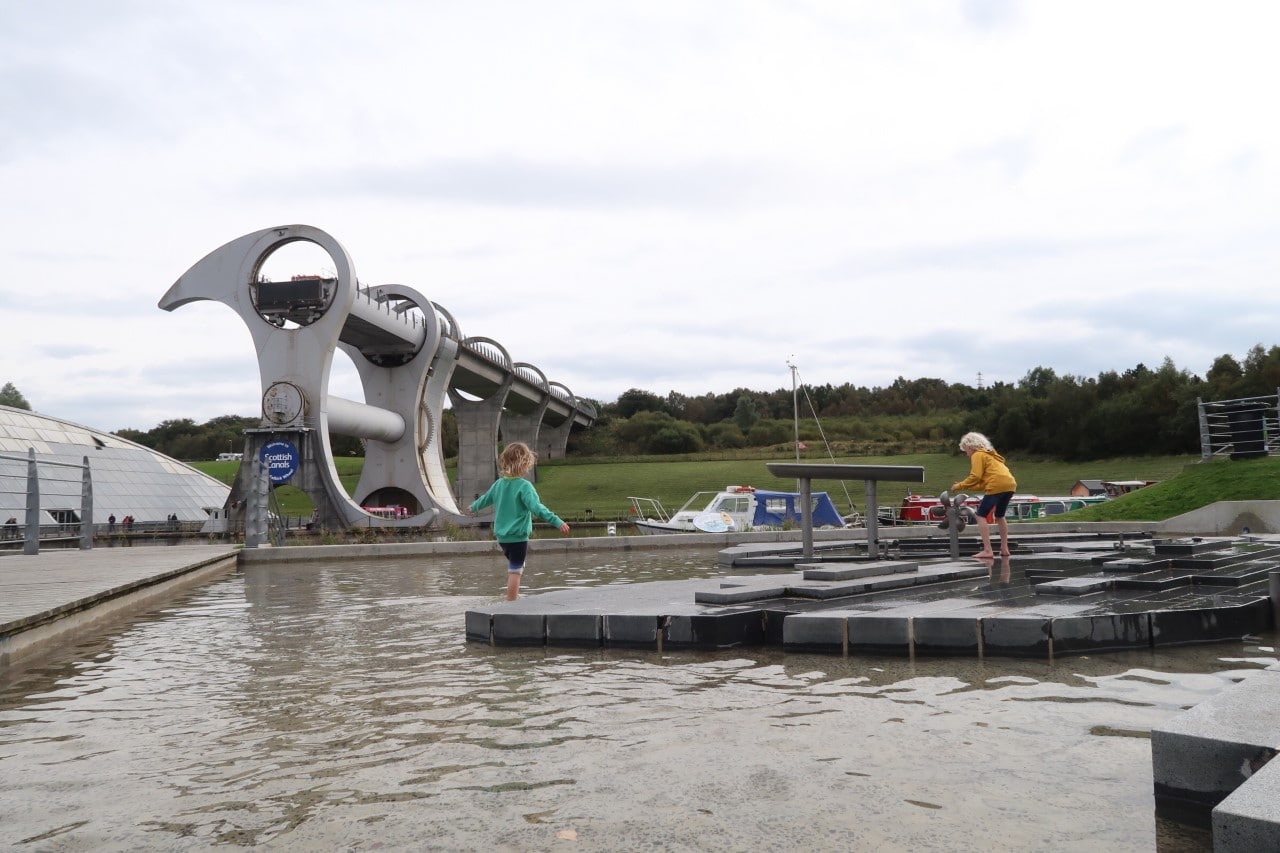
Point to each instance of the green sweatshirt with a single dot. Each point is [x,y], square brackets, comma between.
[515,502]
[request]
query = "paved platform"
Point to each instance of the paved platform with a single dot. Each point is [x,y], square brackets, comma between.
[1059,594]
[50,597]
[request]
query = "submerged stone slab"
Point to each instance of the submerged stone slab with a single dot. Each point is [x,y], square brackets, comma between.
[1202,755]
[842,572]
[1074,586]
[1128,564]
[1185,547]
[738,593]
[1236,575]
[1153,581]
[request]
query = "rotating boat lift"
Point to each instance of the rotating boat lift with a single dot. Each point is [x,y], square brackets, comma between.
[410,357]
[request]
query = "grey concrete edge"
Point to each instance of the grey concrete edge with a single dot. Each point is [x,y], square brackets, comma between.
[71,620]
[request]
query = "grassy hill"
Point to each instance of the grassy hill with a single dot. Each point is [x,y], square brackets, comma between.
[574,487]
[1194,487]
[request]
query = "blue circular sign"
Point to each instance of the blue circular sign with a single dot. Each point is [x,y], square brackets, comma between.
[280,458]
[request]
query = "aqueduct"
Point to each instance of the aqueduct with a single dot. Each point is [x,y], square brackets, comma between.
[410,356]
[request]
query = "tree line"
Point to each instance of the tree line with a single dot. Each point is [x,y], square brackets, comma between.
[1136,412]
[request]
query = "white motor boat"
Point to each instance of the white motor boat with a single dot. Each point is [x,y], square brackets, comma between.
[733,509]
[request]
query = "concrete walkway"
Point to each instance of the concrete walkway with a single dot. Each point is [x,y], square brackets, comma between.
[52,596]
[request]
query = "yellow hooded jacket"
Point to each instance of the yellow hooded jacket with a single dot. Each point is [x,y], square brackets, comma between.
[988,472]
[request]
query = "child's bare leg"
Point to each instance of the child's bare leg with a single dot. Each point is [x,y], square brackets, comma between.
[984,532]
[1004,537]
[513,585]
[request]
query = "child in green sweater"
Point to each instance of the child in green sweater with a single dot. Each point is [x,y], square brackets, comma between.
[515,502]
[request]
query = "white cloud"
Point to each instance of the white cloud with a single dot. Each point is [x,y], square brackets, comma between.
[663,195]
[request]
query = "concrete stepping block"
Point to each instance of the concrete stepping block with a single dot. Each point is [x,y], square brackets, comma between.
[1074,586]
[1201,756]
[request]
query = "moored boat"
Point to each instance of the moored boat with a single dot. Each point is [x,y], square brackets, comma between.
[928,509]
[733,509]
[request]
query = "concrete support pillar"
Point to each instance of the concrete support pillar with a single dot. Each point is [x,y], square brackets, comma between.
[553,441]
[477,443]
[523,428]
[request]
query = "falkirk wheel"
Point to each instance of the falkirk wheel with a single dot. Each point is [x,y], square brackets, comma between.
[410,357]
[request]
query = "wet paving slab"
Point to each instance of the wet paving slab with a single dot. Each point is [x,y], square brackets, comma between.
[1056,595]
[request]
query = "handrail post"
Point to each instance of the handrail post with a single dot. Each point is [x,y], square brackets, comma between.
[872,516]
[31,540]
[86,507]
[806,517]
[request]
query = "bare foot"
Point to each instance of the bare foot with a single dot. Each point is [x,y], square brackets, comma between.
[1005,554]
[984,555]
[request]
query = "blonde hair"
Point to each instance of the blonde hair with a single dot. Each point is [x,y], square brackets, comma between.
[516,459]
[975,441]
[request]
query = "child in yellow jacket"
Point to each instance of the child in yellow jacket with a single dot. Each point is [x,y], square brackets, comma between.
[987,470]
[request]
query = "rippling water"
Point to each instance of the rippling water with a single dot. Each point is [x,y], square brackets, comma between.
[326,706]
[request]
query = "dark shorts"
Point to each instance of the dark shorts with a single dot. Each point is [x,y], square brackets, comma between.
[993,506]
[516,553]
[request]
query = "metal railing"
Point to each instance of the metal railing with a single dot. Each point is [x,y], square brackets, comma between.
[47,472]
[1243,428]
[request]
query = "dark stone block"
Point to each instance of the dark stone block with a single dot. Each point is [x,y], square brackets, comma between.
[479,627]
[879,634]
[575,629]
[1017,635]
[1209,623]
[715,631]
[774,623]
[1075,634]
[946,635]
[1187,547]
[1153,581]
[814,632]
[631,630]
[519,629]
[1109,563]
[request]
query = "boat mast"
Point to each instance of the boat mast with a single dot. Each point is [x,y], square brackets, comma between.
[795,405]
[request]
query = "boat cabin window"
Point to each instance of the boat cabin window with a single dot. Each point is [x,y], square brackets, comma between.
[734,503]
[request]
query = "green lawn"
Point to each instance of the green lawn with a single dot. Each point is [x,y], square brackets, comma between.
[571,487]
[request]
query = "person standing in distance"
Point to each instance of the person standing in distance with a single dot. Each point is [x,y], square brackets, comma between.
[515,502]
[988,471]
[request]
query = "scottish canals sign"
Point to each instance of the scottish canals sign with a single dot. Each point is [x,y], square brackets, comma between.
[280,458]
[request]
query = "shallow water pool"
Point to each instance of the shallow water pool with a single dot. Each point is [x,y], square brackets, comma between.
[338,706]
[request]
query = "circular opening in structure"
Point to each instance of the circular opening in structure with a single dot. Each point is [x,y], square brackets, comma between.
[294,285]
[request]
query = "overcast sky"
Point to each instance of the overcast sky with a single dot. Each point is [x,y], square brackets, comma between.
[660,195]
